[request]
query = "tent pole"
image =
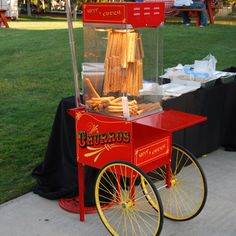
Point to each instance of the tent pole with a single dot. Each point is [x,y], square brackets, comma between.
[73,52]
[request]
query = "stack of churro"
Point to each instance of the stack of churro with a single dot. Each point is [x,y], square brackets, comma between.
[123,62]
[98,104]
[114,106]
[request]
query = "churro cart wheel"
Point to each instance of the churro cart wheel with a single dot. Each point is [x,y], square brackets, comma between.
[129,192]
[187,194]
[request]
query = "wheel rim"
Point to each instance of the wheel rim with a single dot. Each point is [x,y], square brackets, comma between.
[187,195]
[129,211]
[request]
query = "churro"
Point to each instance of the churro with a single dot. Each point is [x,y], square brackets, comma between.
[91,88]
[123,62]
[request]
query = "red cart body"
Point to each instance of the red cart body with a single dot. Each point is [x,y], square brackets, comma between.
[145,142]
[101,139]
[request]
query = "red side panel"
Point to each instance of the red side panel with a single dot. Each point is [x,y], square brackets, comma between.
[101,139]
[151,145]
[152,152]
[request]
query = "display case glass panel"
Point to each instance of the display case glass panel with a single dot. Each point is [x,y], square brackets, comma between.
[122,58]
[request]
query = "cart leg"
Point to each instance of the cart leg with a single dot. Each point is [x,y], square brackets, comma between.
[134,177]
[132,188]
[118,183]
[169,171]
[168,175]
[81,190]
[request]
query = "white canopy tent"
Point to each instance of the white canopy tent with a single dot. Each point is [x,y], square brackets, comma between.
[11,7]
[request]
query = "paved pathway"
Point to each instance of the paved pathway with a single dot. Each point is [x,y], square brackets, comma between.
[31,215]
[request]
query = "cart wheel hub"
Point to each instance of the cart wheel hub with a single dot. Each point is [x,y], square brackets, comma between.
[127,205]
[173,182]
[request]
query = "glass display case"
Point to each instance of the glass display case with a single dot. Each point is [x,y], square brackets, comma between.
[122,58]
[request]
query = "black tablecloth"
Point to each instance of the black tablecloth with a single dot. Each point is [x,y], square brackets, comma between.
[218,104]
[206,137]
[57,175]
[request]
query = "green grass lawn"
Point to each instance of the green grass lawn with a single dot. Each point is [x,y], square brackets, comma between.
[36,72]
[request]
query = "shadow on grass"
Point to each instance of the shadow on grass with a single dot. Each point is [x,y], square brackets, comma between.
[46,17]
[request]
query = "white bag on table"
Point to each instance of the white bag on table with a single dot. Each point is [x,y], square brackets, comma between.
[180,3]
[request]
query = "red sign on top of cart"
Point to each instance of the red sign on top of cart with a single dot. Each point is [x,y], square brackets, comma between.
[147,14]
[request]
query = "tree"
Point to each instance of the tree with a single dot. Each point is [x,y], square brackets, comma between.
[75,6]
[29,7]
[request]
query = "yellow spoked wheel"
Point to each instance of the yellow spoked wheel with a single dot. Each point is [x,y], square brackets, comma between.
[188,192]
[126,191]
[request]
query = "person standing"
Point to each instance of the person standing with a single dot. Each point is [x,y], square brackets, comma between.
[193,4]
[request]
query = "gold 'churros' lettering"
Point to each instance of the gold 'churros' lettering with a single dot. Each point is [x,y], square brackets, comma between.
[86,139]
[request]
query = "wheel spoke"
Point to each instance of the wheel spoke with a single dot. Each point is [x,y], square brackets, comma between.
[145,221]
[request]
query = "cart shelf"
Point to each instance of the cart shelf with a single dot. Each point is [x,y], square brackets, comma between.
[171,120]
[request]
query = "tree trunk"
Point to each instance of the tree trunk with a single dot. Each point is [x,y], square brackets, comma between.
[28,8]
[74,11]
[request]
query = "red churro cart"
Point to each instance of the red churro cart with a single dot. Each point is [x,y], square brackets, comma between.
[122,128]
